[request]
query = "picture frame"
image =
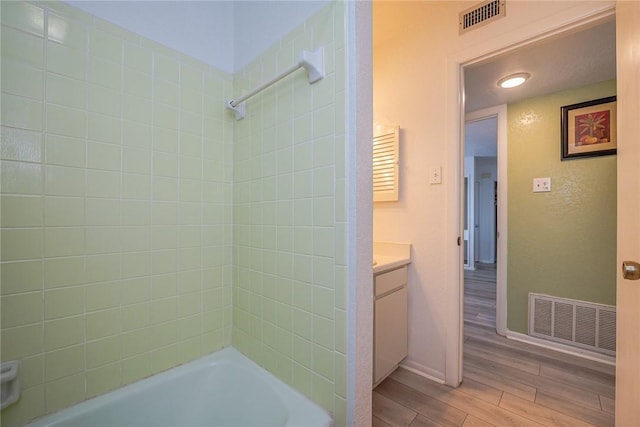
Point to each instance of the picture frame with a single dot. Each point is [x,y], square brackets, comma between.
[588,129]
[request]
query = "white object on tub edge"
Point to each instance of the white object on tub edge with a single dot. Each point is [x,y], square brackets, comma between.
[10,382]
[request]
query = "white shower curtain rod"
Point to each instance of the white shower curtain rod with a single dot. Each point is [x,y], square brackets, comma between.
[313,62]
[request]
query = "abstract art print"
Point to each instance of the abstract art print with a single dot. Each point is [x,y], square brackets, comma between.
[589,128]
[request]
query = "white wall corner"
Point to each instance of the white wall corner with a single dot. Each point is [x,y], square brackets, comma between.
[359,212]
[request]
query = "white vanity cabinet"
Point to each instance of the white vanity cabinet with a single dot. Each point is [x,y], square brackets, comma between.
[390,322]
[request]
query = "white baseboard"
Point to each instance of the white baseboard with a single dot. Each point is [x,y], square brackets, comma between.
[551,345]
[423,371]
[438,377]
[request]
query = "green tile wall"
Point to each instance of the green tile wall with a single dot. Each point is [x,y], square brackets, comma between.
[289,216]
[116,206]
[118,176]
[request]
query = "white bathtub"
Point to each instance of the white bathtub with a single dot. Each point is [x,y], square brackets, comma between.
[222,389]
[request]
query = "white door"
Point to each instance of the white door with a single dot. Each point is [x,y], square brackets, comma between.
[628,291]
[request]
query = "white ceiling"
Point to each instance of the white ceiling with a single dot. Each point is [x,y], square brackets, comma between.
[556,64]
[227,34]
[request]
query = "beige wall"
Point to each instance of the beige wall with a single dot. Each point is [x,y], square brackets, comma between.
[416,51]
[561,243]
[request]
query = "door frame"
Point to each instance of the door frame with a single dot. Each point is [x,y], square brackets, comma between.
[500,113]
[628,244]
[568,20]
[468,189]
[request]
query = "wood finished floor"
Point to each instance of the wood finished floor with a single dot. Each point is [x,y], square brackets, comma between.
[506,383]
[480,295]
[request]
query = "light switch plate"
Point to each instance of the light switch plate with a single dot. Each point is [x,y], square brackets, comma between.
[541,185]
[435,175]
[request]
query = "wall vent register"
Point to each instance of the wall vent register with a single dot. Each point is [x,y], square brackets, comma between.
[576,323]
[385,163]
[481,14]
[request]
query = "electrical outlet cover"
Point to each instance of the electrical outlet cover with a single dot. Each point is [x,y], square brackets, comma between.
[541,185]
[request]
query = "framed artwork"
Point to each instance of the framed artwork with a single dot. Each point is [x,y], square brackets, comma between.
[588,129]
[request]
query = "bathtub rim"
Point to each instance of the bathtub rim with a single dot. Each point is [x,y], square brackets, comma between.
[297,404]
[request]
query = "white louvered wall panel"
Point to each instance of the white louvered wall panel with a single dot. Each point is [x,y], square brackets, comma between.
[385,163]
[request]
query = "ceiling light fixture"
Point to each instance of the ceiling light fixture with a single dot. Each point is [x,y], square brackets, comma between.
[513,80]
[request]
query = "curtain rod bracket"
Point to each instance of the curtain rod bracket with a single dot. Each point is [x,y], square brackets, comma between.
[239,110]
[313,62]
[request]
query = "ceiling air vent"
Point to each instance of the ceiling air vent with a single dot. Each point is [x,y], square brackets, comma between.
[481,14]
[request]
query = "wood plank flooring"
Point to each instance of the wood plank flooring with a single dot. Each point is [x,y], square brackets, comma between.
[480,295]
[506,383]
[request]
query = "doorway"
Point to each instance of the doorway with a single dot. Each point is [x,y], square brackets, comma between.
[480,224]
[485,164]
[480,174]
[502,161]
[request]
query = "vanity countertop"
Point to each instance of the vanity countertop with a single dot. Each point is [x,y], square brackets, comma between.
[387,256]
[385,263]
